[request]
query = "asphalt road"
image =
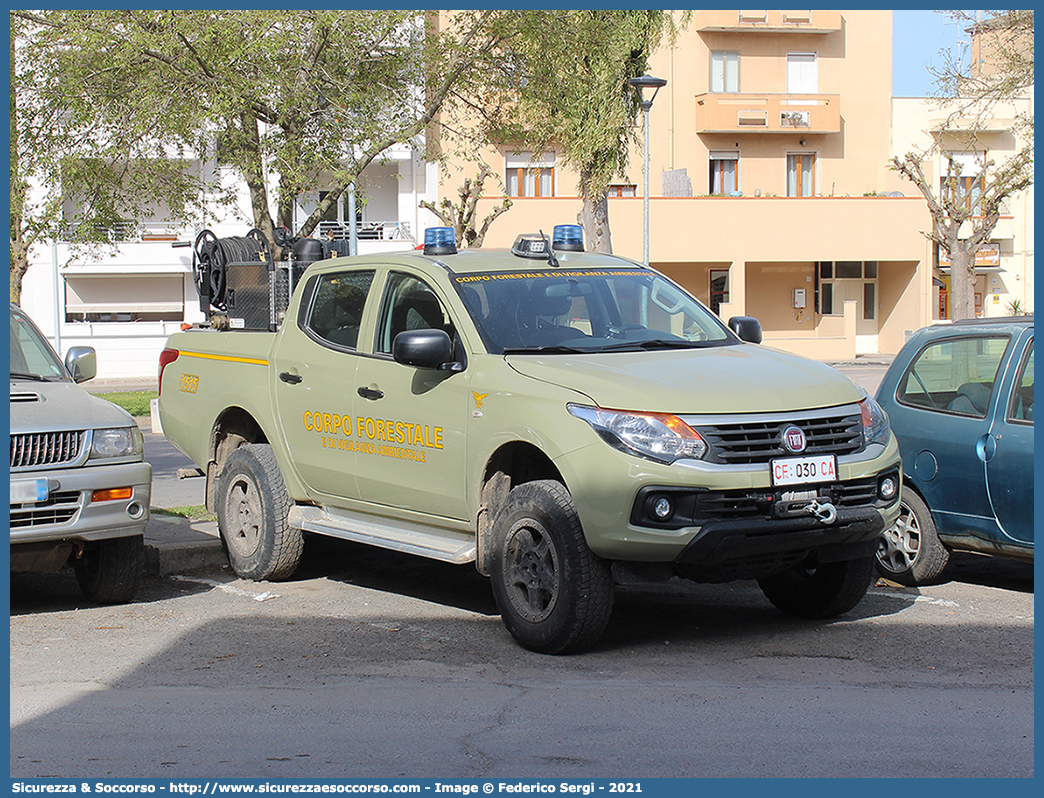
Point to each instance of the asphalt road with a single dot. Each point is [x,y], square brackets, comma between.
[371,663]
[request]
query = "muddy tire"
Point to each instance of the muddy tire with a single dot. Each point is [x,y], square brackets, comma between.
[555,595]
[252,510]
[111,571]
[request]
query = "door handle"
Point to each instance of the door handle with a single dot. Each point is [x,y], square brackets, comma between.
[371,393]
[293,379]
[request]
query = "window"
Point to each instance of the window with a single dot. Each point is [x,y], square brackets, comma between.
[719,289]
[409,304]
[530,175]
[724,72]
[337,307]
[724,172]
[801,174]
[1021,408]
[961,181]
[802,73]
[846,280]
[126,297]
[954,376]
[622,190]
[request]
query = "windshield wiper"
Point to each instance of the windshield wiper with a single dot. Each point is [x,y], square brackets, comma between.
[657,343]
[547,350]
[17,375]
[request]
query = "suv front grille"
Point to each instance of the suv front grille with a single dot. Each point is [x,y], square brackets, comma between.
[731,505]
[755,442]
[59,508]
[37,449]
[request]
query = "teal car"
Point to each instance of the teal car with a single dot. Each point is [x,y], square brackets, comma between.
[960,400]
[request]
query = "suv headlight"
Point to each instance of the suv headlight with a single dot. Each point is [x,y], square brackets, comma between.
[656,436]
[118,442]
[875,422]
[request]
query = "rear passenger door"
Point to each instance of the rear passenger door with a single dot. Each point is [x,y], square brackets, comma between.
[314,380]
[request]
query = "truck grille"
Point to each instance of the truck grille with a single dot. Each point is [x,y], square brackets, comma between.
[59,508]
[36,449]
[746,443]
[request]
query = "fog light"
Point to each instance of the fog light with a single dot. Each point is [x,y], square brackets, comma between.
[888,488]
[662,508]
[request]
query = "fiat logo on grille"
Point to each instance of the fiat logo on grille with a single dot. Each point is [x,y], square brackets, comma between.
[794,440]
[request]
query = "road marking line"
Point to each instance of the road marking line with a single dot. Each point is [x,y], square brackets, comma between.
[926,599]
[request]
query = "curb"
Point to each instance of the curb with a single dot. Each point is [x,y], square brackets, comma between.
[175,545]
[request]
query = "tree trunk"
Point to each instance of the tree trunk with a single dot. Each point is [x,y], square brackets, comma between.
[594,218]
[962,281]
[253,173]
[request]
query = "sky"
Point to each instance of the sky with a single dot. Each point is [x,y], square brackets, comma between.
[917,38]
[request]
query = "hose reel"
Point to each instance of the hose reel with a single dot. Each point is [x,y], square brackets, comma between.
[211,257]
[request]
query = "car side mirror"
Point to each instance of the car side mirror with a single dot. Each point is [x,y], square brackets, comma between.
[82,363]
[425,349]
[747,328]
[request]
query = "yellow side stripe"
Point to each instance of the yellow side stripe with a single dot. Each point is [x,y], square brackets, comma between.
[229,358]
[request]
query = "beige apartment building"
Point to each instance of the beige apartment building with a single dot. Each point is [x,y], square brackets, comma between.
[770,192]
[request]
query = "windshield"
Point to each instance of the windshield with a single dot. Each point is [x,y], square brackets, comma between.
[31,356]
[600,310]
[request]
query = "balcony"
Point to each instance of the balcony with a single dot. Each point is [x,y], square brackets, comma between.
[768,113]
[816,21]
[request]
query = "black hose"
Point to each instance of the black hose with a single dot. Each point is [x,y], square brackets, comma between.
[212,255]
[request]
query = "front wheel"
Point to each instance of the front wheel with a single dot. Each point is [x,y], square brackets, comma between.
[820,590]
[111,570]
[555,595]
[252,509]
[910,551]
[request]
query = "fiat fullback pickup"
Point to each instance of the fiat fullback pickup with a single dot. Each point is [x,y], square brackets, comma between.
[567,421]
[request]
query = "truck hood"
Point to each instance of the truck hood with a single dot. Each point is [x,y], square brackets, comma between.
[745,378]
[59,407]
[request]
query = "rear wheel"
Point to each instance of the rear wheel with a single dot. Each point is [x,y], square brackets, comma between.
[820,590]
[252,508]
[110,571]
[555,595]
[910,551]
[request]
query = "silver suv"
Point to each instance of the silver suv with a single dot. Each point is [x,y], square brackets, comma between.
[79,483]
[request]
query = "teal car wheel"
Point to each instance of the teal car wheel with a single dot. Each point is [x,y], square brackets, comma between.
[910,551]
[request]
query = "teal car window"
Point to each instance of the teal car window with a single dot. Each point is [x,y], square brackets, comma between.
[955,375]
[1021,406]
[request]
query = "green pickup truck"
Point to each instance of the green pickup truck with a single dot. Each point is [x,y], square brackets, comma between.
[567,421]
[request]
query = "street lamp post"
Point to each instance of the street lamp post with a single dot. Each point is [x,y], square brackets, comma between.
[641,84]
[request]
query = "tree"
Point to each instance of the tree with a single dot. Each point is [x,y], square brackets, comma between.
[302,95]
[462,216]
[563,83]
[67,143]
[965,207]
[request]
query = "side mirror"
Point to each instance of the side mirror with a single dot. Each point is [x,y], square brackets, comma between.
[425,349]
[82,363]
[747,328]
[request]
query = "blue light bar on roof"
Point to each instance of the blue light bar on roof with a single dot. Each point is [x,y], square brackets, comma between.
[568,238]
[440,241]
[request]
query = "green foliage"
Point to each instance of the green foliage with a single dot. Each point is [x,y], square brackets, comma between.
[137,403]
[196,512]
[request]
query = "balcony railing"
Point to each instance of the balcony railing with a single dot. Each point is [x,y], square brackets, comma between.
[770,21]
[366,231]
[768,113]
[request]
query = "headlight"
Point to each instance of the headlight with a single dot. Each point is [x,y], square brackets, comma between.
[657,436]
[875,422]
[119,442]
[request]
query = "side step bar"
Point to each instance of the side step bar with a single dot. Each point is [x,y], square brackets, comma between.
[445,545]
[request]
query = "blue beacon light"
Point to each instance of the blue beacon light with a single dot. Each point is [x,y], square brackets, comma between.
[440,241]
[568,238]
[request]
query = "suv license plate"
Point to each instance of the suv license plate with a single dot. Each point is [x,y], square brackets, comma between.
[800,470]
[25,491]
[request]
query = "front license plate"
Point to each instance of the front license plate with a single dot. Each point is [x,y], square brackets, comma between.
[24,491]
[800,470]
